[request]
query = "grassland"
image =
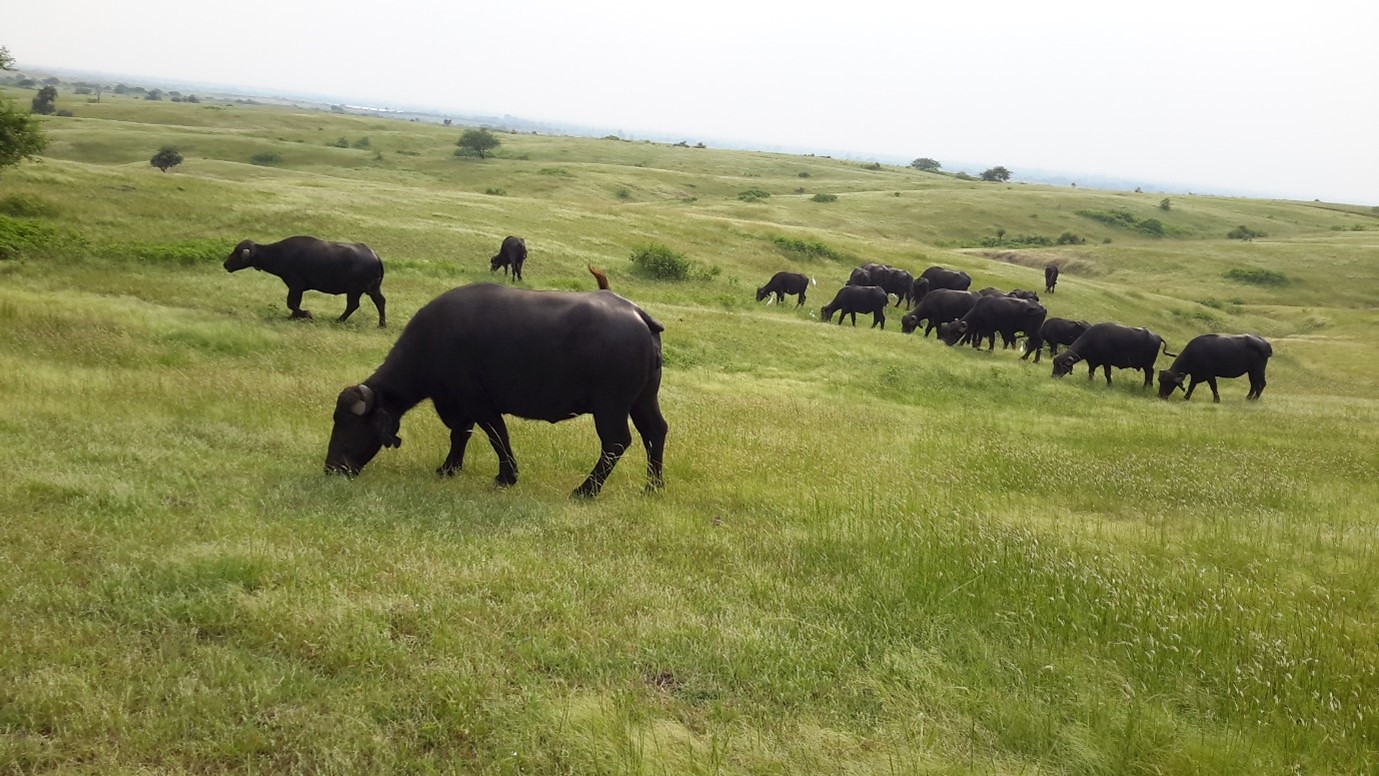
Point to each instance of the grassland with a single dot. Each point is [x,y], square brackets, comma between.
[874,554]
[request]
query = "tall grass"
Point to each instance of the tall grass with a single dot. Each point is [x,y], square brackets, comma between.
[874,553]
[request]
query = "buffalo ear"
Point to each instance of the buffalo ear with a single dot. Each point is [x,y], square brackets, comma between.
[387,427]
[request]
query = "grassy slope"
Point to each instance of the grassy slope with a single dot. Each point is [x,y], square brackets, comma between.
[874,554]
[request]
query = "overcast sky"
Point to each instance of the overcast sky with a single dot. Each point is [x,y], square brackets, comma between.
[1258,98]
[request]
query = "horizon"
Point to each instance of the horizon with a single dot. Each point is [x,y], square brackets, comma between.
[1181,103]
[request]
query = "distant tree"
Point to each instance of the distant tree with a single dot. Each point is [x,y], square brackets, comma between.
[1165,204]
[155,94]
[43,101]
[447,122]
[996,174]
[926,164]
[166,157]
[6,59]
[478,141]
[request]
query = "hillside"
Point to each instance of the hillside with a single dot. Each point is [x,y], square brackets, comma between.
[874,553]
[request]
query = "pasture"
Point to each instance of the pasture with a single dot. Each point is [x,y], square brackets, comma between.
[873,553]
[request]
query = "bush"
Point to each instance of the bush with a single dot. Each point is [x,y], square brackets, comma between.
[362,143]
[753,195]
[821,197]
[20,237]
[495,192]
[1258,277]
[1243,232]
[660,263]
[343,142]
[1068,238]
[166,158]
[808,249]
[266,158]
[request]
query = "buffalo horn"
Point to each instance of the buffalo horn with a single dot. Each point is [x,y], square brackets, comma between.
[365,400]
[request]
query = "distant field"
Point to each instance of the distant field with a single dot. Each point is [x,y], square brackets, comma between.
[874,553]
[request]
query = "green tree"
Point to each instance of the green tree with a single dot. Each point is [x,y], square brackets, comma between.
[478,141]
[43,102]
[166,157]
[926,164]
[1165,204]
[21,137]
[996,174]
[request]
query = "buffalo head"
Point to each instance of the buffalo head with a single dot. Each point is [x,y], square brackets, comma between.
[1169,381]
[909,323]
[763,292]
[496,262]
[361,428]
[952,331]
[242,256]
[1063,362]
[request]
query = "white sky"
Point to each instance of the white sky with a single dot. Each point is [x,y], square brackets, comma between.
[1267,98]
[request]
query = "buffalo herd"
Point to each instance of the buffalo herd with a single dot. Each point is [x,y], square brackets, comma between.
[483,351]
[939,299]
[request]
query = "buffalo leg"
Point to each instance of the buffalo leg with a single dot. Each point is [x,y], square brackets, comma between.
[1106,368]
[1215,396]
[376,294]
[461,429]
[1257,383]
[497,432]
[1149,377]
[613,439]
[294,303]
[646,416]
[1191,386]
[351,304]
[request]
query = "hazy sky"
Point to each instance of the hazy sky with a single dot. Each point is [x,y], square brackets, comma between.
[1260,98]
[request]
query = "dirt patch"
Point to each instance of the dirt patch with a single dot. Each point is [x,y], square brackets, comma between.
[1073,265]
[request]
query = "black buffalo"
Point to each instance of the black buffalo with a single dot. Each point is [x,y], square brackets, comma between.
[1050,277]
[512,253]
[308,264]
[783,283]
[1210,356]
[1109,345]
[1005,315]
[483,351]
[851,300]
[938,307]
[891,279]
[936,277]
[1061,331]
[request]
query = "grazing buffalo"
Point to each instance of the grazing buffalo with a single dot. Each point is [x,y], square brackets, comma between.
[783,283]
[483,351]
[1061,331]
[512,253]
[893,280]
[938,307]
[1020,293]
[1109,344]
[308,264]
[934,278]
[1210,356]
[852,300]
[1005,315]
[1050,277]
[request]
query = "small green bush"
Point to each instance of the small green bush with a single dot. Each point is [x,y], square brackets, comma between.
[20,237]
[496,192]
[822,197]
[266,158]
[1068,238]
[660,262]
[808,249]
[362,143]
[341,143]
[1243,232]
[753,195]
[1256,276]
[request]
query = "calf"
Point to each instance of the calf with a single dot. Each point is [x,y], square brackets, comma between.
[308,264]
[512,253]
[1210,356]
[1109,344]
[1061,331]
[851,300]
[783,283]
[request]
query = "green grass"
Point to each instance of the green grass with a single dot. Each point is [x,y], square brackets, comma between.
[874,553]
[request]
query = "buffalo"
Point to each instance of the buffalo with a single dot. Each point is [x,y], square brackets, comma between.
[512,253]
[1005,315]
[1061,331]
[308,264]
[783,283]
[1050,277]
[483,351]
[893,280]
[851,300]
[938,307]
[1109,344]
[1210,356]
[936,277]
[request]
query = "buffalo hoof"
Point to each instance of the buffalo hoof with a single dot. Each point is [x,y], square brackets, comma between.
[301,314]
[587,490]
[445,470]
[504,482]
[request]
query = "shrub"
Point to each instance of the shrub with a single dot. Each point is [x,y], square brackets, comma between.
[495,192]
[266,158]
[809,249]
[623,194]
[343,142]
[660,262]
[166,158]
[19,237]
[753,195]
[1243,232]
[804,173]
[821,197]
[362,143]
[1258,277]
[1068,238]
